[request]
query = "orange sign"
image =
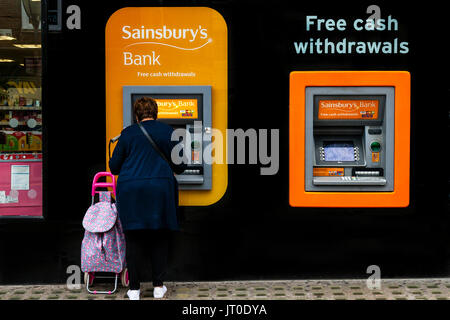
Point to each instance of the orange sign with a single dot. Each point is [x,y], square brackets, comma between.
[170,46]
[348,109]
[328,172]
[177,108]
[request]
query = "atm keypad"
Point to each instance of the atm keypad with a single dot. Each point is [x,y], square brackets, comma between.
[194,171]
[367,173]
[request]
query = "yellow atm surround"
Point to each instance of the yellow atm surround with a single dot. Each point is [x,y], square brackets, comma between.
[349,138]
[169,47]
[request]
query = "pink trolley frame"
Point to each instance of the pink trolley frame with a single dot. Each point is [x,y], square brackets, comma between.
[89,276]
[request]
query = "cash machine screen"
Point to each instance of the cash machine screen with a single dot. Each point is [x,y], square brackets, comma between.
[339,152]
[363,109]
[176,108]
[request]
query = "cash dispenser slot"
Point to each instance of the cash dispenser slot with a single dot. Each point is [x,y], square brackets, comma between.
[192,175]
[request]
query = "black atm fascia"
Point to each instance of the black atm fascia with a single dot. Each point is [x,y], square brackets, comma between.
[360,173]
[198,175]
[350,131]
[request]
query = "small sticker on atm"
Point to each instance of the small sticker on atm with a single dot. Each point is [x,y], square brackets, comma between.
[375,157]
[187,113]
[367,114]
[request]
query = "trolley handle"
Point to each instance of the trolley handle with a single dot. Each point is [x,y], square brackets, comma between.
[96,184]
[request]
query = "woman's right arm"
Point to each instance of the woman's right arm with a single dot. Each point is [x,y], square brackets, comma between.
[118,157]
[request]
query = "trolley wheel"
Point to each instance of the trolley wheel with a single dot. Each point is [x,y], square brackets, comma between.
[124,278]
[90,276]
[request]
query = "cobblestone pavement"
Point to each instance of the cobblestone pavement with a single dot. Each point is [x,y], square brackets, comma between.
[398,289]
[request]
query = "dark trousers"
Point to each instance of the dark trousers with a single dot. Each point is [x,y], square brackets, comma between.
[144,244]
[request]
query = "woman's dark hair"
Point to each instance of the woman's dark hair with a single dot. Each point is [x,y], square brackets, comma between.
[145,107]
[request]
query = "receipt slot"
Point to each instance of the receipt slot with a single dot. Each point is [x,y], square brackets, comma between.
[182,107]
[349,139]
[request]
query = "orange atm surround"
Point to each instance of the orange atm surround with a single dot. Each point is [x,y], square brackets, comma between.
[299,82]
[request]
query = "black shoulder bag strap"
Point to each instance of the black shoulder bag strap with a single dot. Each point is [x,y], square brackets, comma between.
[154,145]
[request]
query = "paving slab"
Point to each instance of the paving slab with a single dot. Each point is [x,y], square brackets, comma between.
[348,289]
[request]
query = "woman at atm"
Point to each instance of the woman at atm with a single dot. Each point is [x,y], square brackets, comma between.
[147,194]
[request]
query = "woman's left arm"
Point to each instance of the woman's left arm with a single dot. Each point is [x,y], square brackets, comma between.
[118,157]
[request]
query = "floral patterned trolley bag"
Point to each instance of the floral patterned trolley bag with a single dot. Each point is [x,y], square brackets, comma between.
[103,246]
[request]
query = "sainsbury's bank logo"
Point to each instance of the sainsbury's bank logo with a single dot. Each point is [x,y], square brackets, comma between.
[165,33]
[157,37]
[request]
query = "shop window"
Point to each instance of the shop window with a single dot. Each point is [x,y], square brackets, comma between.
[20,108]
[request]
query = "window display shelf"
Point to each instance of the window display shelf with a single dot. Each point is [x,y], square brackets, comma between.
[22,108]
[23,131]
[21,123]
[18,156]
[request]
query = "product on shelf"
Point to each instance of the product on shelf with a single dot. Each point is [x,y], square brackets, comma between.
[12,143]
[22,141]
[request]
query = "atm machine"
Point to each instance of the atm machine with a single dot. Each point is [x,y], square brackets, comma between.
[349,138]
[185,107]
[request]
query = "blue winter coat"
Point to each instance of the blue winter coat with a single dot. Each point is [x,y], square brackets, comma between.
[147,191]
